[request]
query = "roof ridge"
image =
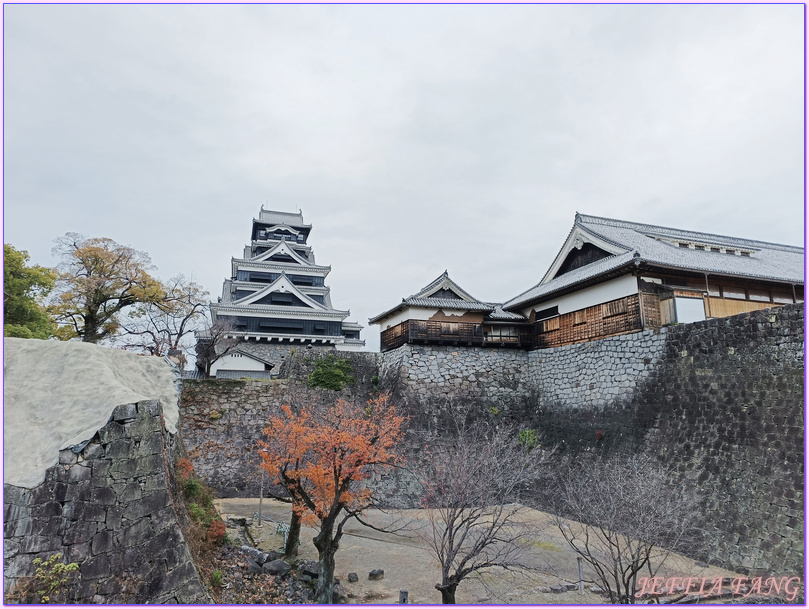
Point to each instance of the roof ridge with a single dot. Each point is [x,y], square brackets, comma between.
[655,228]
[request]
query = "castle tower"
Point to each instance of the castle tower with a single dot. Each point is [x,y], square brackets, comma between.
[277,294]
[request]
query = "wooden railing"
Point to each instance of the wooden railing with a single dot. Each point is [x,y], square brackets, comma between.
[450,333]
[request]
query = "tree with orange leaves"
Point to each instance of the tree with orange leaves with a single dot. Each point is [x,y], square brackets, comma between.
[321,455]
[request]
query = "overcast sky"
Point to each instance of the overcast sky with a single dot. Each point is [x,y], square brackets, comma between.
[414,138]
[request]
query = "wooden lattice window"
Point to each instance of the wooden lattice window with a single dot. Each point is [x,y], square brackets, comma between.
[579,317]
[616,307]
[550,324]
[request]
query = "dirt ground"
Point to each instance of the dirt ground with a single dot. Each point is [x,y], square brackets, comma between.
[409,565]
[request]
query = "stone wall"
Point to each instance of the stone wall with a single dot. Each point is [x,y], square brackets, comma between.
[595,374]
[726,411]
[108,508]
[424,373]
[222,423]
[721,401]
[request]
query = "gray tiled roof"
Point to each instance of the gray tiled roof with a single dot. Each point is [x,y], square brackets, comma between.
[243,374]
[768,261]
[293,219]
[500,315]
[448,303]
[467,302]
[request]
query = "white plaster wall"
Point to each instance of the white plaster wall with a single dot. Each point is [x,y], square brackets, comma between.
[348,347]
[588,297]
[236,361]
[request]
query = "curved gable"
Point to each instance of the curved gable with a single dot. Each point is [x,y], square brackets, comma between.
[283,249]
[286,295]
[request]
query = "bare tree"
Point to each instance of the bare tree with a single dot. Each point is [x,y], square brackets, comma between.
[163,326]
[624,518]
[472,486]
[214,342]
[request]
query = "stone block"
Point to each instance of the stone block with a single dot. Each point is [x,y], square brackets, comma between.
[46,510]
[100,469]
[122,447]
[50,527]
[97,567]
[79,531]
[130,492]
[34,544]
[79,473]
[124,412]
[111,431]
[277,567]
[134,534]
[103,495]
[257,555]
[102,542]
[376,574]
[93,451]
[122,469]
[150,408]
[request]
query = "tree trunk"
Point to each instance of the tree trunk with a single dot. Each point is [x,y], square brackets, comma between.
[447,592]
[326,549]
[294,535]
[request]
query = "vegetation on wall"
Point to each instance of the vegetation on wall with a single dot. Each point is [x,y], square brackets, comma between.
[51,583]
[331,373]
[203,529]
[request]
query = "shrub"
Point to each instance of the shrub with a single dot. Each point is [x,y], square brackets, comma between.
[51,576]
[216,579]
[331,373]
[184,469]
[192,488]
[527,438]
[216,531]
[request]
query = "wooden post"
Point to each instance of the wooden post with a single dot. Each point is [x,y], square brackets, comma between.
[708,296]
[581,576]
[260,497]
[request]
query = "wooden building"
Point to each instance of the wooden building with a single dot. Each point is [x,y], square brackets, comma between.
[611,277]
[442,313]
[276,292]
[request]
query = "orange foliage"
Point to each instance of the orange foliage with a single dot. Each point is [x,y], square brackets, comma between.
[216,531]
[184,468]
[320,454]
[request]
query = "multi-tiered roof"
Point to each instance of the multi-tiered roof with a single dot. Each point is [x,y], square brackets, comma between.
[277,292]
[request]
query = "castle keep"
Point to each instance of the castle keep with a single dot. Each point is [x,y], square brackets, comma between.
[277,295]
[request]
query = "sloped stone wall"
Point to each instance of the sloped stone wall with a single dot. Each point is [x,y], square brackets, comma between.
[222,423]
[108,508]
[721,401]
[726,411]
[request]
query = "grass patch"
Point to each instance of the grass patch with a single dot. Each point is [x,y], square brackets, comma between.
[542,545]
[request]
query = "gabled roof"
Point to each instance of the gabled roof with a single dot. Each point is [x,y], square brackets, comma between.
[282,284]
[282,247]
[254,356]
[632,243]
[426,298]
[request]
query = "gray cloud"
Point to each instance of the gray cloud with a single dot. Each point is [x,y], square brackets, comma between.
[415,138]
